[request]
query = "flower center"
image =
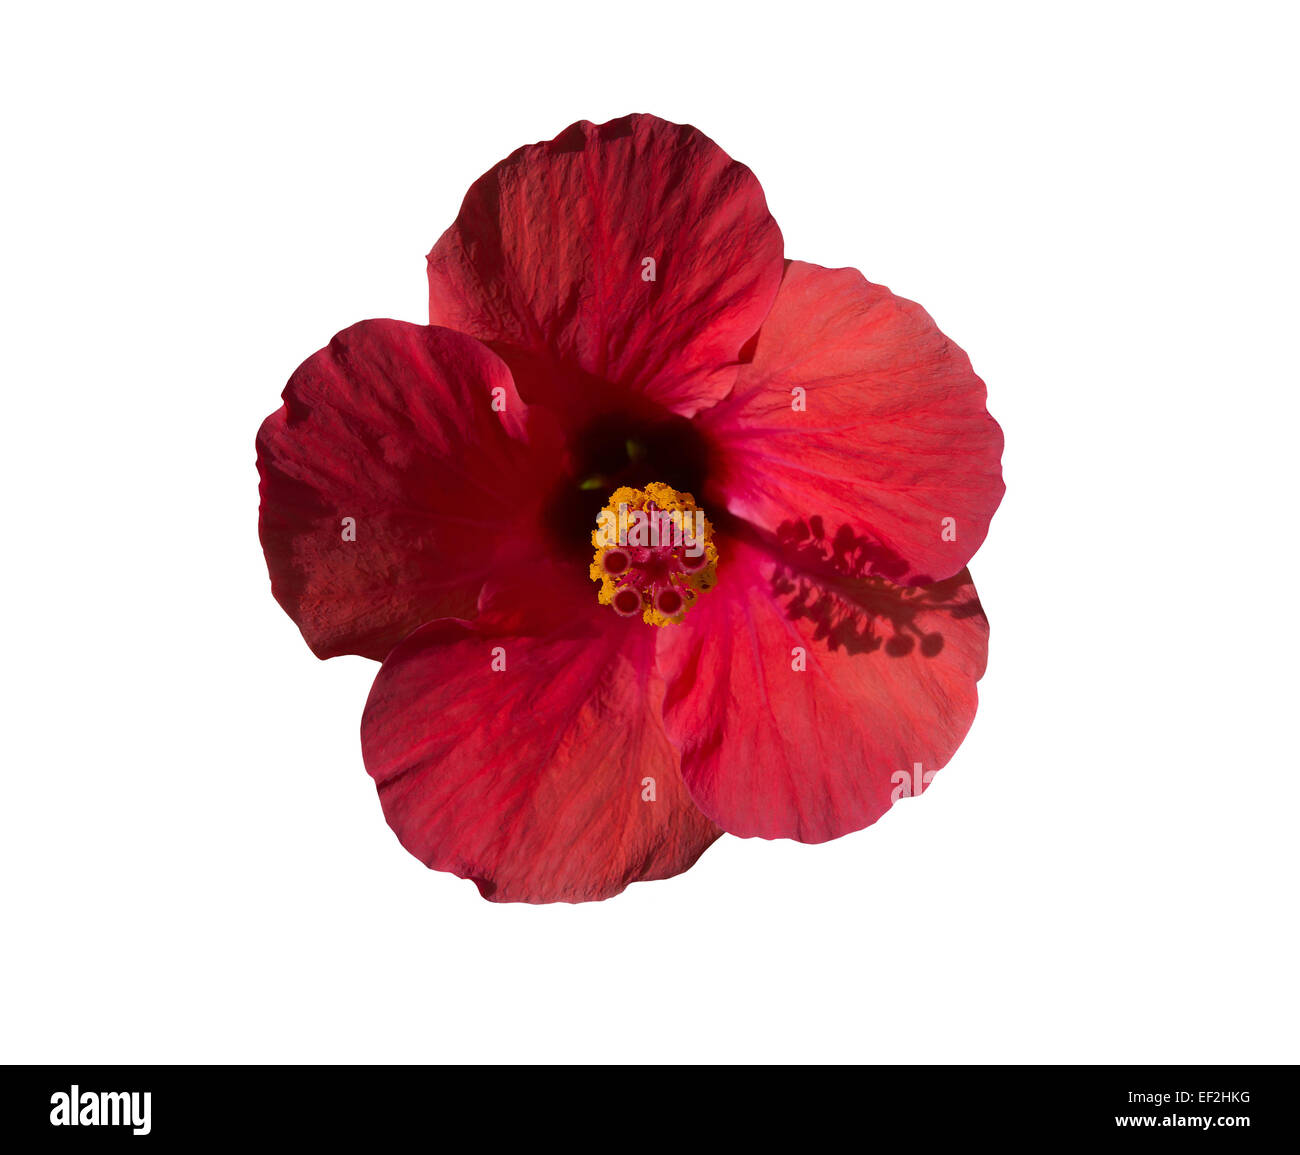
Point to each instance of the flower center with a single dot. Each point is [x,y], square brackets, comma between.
[654,553]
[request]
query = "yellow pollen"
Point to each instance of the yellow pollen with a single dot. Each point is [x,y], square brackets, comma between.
[655,553]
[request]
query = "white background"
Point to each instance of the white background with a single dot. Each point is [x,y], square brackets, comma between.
[1097,202]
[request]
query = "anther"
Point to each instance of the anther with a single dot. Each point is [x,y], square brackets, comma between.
[654,554]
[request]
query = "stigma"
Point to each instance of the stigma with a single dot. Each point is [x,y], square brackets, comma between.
[655,554]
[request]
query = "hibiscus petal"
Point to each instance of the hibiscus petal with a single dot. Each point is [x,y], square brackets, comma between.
[547,263]
[894,439]
[885,694]
[548,780]
[392,427]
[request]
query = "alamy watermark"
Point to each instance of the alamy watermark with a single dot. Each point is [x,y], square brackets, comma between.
[652,527]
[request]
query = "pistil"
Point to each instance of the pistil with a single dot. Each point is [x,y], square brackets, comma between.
[655,554]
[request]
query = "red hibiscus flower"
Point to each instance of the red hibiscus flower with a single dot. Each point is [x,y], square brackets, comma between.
[656,533]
